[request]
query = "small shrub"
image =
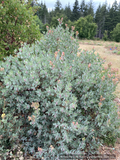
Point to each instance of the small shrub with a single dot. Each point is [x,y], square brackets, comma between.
[85,27]
[105,36]
[118,52]
[57,99]
[96,38]
[115,51]
[112,44]
[99,44]
[115,34]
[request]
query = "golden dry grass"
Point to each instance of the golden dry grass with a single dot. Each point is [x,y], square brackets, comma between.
[100,47]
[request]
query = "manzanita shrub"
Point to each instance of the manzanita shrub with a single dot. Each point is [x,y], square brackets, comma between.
[17,25]
[56,99]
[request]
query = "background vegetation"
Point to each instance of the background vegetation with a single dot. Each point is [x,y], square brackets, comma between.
[106,17]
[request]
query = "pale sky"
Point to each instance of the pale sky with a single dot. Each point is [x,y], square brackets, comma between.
[51,3]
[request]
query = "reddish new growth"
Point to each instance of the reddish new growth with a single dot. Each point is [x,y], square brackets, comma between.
[51,64]
[66,25]
[102,99]
[75,123]
[77,33]
[60,21]
[47,27]
[109,64]
[62,56]
[55,54]
[114,70]
[89,65]
[72,28]
[115,80]
[40,149]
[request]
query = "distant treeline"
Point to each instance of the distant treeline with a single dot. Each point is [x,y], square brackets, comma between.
[106,17]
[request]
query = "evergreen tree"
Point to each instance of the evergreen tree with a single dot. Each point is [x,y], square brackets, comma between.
[76,11]
[45,11]
[58,7]
[108,21]
[82,9]
[86,10]
[112,17]
[51,15]
[42,13]
[114,14]
[54,22]
[68,11]
[90,8]
[119,12]
[100,17]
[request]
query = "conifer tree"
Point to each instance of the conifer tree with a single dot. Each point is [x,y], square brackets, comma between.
[58,7]
[82,8]
[75,11]
[68,11]
[100,17]
[90,8]
[112,17]
[42,13]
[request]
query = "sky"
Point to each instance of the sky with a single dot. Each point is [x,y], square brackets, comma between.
[51,3]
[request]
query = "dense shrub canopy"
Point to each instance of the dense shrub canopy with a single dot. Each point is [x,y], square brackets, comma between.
[17,25]
[86,27]
[116,33]
[57,99]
